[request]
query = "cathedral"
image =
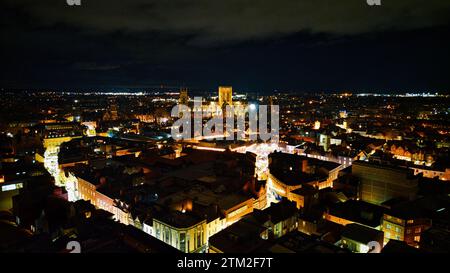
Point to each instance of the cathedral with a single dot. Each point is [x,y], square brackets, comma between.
[111,112]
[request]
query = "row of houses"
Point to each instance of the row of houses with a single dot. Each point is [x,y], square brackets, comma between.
[183,208]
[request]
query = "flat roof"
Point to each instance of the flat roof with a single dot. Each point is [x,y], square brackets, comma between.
[178,219]
[240,237]
[292,178]
[362,234]
[358,211]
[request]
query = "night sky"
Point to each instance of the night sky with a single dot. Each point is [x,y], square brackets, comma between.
[253,45]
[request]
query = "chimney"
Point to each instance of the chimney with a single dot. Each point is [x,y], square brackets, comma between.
[305,166]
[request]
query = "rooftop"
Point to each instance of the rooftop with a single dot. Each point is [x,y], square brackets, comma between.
[359,212]
[240,237]
[178,219]
[298,242]
[276,212]
[395,246]
[362,234]
[292,178]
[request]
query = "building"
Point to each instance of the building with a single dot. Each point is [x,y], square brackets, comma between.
[297,242]
[316,125]
[279,219]
[254,230]
[356,238]
[241,237]
[289,172]
[379,183]
[397,247]
[325,141]
[184,98]
[90,128]
[140,242]
[405,222]
[184,231]
[430,172]
[304,197]
[225,95]
[100,186]
[353,211]
[111,114]
[17,175]
[311,222]
[435,240]
[55,133]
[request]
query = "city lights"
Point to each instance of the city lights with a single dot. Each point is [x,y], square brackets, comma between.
[245,129]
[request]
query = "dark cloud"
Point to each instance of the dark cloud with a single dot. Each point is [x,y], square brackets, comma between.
[251,44]
[214,22]
[95,66]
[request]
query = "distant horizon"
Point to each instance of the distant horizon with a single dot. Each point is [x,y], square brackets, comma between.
[156,90]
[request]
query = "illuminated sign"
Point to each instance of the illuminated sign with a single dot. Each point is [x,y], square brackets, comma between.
[12,187]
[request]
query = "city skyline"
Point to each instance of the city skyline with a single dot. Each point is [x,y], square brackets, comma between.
[247,129]
[340,173]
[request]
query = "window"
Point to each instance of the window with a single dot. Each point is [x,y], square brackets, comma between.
[418,230]
[167,234]
[188,242]
[397,229]
[408,231]
[199,237]
[183,242]
[417,238]
[410,221]
[388,226]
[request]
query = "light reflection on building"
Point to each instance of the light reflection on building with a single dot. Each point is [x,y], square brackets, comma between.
[51,162]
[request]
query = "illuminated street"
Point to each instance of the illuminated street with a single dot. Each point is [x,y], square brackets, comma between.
[51,163]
